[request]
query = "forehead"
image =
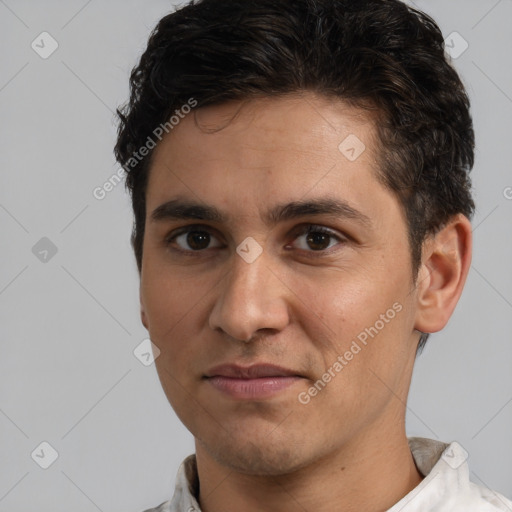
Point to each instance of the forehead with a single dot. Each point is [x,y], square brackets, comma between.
[303,121]
[284,147]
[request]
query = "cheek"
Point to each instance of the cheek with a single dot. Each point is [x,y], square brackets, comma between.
[177,303]
[361,318]
[340,304]
[168,294]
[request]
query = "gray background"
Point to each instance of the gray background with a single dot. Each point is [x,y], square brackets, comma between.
[70,324]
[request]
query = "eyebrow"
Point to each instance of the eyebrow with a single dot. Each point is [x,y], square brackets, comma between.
[180,209]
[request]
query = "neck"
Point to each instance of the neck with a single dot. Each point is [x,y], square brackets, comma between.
[372,472]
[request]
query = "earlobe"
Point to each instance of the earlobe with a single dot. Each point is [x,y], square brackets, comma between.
[143,317]
[445,264]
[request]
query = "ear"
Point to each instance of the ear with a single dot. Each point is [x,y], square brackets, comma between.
[445,265]
[143,312]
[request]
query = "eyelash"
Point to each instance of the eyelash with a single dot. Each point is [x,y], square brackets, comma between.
[304,230]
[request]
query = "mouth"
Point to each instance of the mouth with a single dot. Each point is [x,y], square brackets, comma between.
[258,381]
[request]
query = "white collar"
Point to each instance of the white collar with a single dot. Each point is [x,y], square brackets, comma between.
[445,488]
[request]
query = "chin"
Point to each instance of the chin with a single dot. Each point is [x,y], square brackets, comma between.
[256,456]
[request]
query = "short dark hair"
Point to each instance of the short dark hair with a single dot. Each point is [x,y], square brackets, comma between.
[380,55]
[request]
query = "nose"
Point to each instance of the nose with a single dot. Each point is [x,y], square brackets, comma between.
[251,297]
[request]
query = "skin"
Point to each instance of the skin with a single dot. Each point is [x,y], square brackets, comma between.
[302,301]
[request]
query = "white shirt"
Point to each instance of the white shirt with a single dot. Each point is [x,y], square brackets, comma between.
[445,488]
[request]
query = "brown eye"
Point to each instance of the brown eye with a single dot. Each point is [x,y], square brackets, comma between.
[318,238]
[197,240]
[192,239]
[318,241]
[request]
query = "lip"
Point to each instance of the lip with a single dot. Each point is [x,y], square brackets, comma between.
[254,371]
[255,382]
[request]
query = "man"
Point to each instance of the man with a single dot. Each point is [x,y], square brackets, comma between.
[299,178]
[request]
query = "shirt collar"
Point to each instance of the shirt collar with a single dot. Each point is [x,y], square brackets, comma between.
[446,475]
[443,465]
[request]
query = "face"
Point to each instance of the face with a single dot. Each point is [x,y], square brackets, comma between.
[270,241]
